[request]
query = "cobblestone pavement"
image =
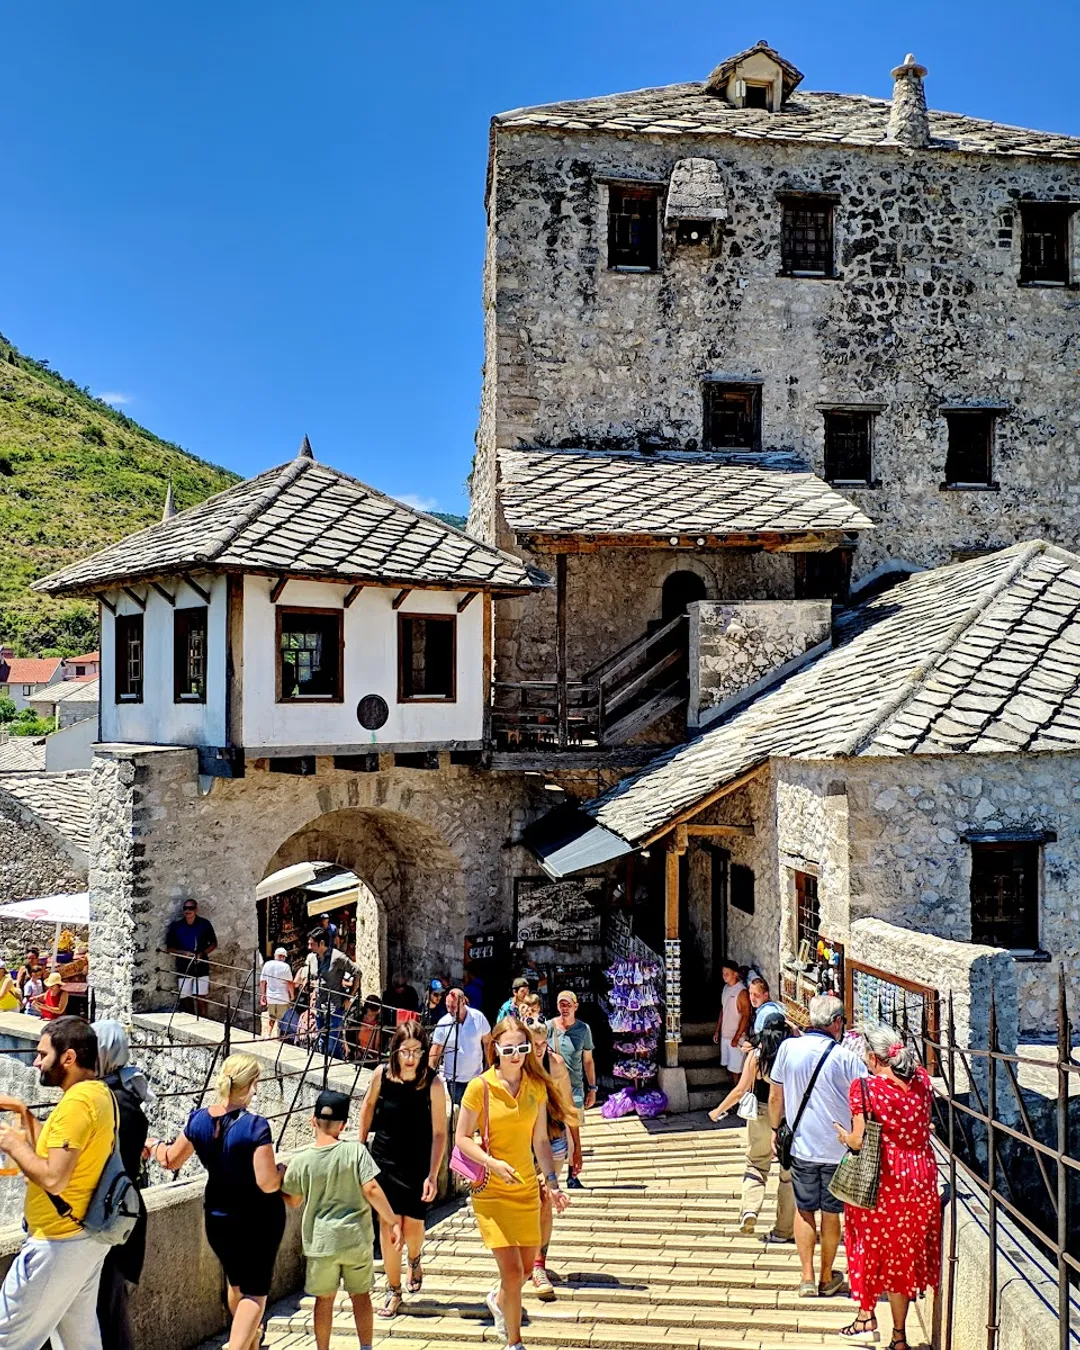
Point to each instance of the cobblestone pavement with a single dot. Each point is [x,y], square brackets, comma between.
[648,1255]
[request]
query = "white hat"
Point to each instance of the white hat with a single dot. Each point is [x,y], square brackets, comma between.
[281,951]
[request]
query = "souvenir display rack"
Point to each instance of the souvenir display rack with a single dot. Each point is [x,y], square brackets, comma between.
[634,1015]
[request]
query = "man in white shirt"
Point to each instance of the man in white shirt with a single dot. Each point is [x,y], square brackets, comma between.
[461,1042]
[816,1149]
[276,990]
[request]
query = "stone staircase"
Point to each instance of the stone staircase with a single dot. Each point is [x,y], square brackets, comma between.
[647,1255]
[707,1081]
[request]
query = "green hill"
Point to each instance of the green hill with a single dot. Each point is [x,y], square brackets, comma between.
[75,474]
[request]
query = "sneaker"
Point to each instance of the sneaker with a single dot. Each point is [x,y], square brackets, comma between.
[574,1184]
[542,1284]
[773,1238]
[497,1313]
[749,1223]
[833,1285]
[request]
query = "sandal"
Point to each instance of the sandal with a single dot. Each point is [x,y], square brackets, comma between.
[415,1282]
[899,1340]
[391,1301]
[863,1329]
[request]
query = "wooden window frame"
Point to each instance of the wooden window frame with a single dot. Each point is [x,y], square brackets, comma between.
[807,201]
[653,191]
[989,417]
[827,415]
[1032,884]
[800,879]
[182,652]
[121,625]
[402,697]
[339,697]
[711,389]
[1037,275]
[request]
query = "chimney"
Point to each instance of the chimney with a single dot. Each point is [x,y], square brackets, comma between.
[908,121]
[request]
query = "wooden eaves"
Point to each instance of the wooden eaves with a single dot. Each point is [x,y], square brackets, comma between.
[771,541]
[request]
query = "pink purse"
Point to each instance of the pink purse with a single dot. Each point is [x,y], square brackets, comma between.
[476,1174]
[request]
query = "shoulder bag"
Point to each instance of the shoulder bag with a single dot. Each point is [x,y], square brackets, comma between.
[785,1135]
[476,1174]
[858,1174]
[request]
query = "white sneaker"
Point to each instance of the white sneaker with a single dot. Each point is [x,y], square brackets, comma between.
[542,1284]
[749,1222]
[496,1312]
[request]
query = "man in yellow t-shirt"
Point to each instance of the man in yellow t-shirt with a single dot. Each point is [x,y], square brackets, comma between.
[51,1287]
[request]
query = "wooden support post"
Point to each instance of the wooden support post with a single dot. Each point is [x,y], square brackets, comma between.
[671,894]
[277,588]
[560,650]
[401,597]
[466,600]
[351,594]
[234,660]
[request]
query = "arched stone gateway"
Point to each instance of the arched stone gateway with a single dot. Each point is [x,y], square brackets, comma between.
[412,873]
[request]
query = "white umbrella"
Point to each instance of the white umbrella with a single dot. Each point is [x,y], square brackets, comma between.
[58,909]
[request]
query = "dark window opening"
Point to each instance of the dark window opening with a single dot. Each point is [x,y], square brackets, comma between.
[823,576]
[427,657]
[310,655]
[189,655]
[416,759]
[1044,249]
[807,911]
[1005,895]
[806,237]
[732,416]
[971,436]
[847,447]
[632,227]
[756,96]
[129,658]
[742,888]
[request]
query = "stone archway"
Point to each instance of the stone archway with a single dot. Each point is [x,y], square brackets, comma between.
[413,875]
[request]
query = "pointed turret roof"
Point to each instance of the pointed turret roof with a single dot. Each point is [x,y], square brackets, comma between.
[169,509]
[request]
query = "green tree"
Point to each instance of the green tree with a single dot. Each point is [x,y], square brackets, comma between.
[7,709]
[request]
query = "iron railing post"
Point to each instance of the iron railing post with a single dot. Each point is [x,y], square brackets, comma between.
[991,1176]
[950,1292]
[1064,1053]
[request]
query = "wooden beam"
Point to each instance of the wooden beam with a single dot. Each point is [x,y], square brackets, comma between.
[707,800]
[466,600]
[715,831]
[352,593]
[139,600]
[277,588]
[234,660]
[401,597]
[203,594]
[563,706]
[107,603]
[165,595]
[681,841]
[671,894]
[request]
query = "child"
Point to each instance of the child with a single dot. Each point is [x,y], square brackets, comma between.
[336,1179]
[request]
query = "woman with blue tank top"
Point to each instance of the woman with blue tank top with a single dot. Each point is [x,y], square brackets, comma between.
[244,1210]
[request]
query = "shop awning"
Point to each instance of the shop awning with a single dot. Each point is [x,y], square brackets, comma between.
[567,840]
[60,909]
[333,893]
[288,879]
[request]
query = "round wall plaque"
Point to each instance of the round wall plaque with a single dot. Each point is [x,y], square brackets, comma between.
[372,712]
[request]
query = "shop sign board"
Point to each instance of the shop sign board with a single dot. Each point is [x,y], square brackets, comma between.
[557,912]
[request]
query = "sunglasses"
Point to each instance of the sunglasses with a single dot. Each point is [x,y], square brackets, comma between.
[505,1050]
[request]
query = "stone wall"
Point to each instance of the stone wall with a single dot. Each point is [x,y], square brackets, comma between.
[736,649]
[32,861]
[926,311]
[812,824]
[438,849]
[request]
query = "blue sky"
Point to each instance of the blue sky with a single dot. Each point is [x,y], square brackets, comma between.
[252,220]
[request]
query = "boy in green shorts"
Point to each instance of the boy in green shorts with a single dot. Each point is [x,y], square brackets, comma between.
[335,1181]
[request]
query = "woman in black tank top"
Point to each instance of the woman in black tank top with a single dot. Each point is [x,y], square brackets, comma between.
[403,1122]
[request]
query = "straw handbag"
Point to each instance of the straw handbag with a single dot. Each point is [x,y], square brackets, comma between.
[858,1175]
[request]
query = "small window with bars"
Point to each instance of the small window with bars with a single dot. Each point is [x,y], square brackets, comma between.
[1044,245]
[806,236]
[1005,895]
[129,658]
[971,441]
[732,416]
[847,446]
[807,911]
[633,228]
[189,655]
[310,655]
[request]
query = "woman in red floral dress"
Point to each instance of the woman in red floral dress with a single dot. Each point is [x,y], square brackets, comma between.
[894,1249]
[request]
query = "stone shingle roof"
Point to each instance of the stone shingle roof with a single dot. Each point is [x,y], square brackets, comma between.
[981,657]
[557,491]
[70,691]
[22,754]
[818,118]
[302,519]
[58,801]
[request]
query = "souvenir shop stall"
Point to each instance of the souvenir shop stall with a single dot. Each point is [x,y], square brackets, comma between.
[293,901]
[636,1018]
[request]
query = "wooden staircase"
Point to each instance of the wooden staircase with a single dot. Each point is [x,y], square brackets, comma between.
[648,1255]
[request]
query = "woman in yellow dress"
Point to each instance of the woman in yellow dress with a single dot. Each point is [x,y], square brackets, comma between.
[9,994]
[514,1094]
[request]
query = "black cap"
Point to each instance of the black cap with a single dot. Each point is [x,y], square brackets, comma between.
[332,1106]
[520,983]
